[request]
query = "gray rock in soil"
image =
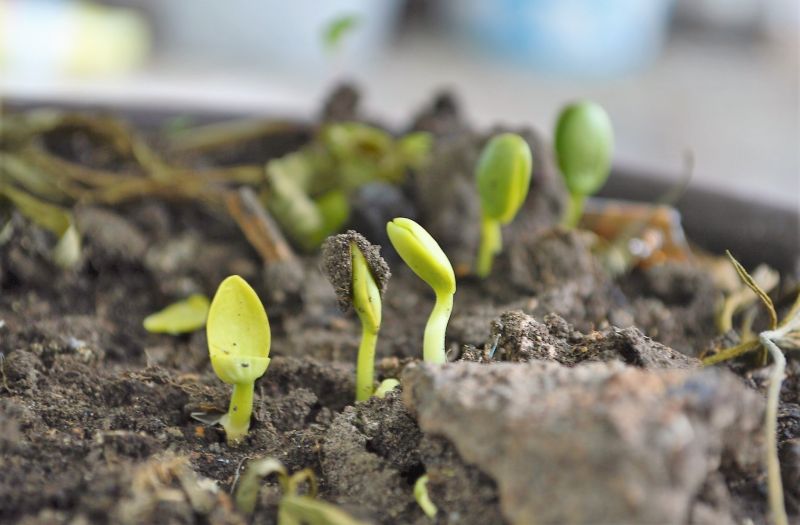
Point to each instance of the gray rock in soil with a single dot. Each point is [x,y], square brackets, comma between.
[598,442]
[520,337]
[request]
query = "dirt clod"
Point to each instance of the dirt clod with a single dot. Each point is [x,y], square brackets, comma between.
[601,430]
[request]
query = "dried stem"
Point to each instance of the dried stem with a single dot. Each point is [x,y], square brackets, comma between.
[258,226]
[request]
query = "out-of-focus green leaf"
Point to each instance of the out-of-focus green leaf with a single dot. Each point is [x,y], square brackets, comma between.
[34,180]
[335,31]
[415,148]
[53,218]
[304,509]
[181,317]
[177,124]
[364,154]
[294,210]
[335,211]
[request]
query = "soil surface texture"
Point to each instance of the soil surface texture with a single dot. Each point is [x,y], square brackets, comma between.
[571,396]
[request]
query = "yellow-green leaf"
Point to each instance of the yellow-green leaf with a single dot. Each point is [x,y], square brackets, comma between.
[366,294]
[238,333]
[181,317]
[584,143]
[503,176]
[422,254]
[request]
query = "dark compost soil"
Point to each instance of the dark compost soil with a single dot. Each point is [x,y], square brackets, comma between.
[95,422]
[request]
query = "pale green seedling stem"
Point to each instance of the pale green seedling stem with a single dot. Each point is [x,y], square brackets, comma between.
[365,377]
[237,421]
[774,481]
[367,303]
[574,211]
[433,340]
[491,245]
[422,497]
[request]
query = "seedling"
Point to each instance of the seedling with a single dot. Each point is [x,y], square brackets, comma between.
[742,297]
[785,335]
[294,508]
[309,189]
[425,257]
[359,275]
[179,318]
[584,142]
[422,497]
[503,176]
[238,345]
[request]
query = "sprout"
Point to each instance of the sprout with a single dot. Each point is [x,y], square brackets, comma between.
[386,386]
[424,256]
[423,500]
[503,176]
[584,141]
[179,318]
[359,275]
[294,508]
[781,336]
[238,344]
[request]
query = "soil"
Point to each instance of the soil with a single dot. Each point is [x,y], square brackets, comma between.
[95,422]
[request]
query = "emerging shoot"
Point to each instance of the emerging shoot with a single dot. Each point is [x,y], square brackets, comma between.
[503,176]
[386,386]
[584,142]
[294,507]
[425,257]
[781,336]
[422,497]
[238,344]
[359,275]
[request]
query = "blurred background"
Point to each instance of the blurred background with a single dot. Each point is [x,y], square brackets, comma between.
[720,78]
